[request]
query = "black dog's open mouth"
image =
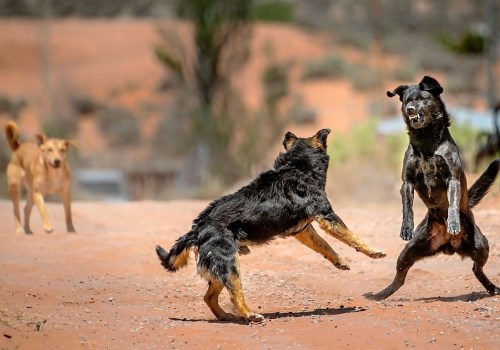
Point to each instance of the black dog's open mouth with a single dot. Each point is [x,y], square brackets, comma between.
[416,120]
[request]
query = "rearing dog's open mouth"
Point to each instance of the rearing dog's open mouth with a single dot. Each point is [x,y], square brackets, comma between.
[416,119]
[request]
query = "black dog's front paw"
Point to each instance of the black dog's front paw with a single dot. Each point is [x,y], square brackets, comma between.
[454,227]
[406,233]
[453,222]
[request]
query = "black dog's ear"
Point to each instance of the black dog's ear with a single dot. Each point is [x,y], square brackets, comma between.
[319,140]
[289,140]
[398,91]
[430,84]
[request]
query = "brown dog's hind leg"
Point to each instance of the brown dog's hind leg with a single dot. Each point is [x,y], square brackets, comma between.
[235,290]
[27,212]
[212,299]
[310,238]
[15,195]
[338,230]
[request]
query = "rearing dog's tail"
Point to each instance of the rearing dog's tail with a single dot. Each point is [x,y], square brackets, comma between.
[12,135]
[178,255]
[479,188]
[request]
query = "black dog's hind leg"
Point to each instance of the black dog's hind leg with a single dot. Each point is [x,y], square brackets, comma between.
[310,238]
[235,289]
[414,250]
[212,300]
[480,257]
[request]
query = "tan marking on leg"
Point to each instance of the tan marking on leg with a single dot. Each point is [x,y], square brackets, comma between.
[344,235]
[310,238]
[236,293]
[212,300]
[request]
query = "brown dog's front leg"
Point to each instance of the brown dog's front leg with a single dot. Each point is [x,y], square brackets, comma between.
[335,227]
[40,204]
[66,199]
[310,238]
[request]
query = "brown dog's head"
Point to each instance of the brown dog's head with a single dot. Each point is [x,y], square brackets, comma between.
[54,151]
[421,103]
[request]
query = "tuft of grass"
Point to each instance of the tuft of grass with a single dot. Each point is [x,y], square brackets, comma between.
[274,11]
[332,67]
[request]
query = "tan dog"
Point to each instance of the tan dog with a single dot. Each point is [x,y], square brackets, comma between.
[43,168]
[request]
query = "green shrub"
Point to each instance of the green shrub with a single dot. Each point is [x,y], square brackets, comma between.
[274,11]
[333,67]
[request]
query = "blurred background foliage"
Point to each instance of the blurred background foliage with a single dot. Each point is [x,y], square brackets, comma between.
[208,139]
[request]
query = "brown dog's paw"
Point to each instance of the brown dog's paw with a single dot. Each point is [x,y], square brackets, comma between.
[378,255]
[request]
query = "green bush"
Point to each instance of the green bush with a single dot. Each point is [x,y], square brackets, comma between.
[274,11]
[333,67]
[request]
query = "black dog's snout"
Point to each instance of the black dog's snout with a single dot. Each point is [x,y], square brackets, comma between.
[410,109]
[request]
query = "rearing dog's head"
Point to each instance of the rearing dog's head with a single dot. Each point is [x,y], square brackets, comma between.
[54,151]
[421,103]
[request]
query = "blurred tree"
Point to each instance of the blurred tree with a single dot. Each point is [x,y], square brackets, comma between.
[219,126]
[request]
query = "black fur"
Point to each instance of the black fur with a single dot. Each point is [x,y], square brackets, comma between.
[432,167]
[281,202]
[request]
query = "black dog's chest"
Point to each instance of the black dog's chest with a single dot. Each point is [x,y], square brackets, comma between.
[430,176]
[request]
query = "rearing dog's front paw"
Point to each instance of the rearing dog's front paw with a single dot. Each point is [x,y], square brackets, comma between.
[406,233]
[454,227]
[453,222]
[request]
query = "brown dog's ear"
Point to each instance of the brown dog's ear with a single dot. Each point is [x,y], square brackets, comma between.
[289,140]
[398,91]
[70,143]
[430,84]
[40,139]
[319,140]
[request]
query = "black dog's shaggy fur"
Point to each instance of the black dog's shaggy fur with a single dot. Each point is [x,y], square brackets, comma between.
[432,167]
[281,202]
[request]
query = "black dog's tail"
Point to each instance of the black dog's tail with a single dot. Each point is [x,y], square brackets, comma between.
[479,188]
[178,255]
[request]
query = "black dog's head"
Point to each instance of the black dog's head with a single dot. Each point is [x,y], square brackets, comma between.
[309,153]
[421,103]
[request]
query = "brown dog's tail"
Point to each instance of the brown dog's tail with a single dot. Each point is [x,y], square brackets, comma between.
[12,135]
[482,185]
[178,255]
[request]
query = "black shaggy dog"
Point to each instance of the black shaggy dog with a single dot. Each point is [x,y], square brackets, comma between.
[432,167]
[281,202]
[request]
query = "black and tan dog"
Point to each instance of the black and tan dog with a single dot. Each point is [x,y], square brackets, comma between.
[281,202]
[432,167]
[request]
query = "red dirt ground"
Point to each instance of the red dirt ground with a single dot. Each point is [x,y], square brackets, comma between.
[103,288]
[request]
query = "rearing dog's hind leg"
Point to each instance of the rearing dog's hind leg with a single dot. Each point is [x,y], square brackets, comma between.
[413,251]
[334,226]
[233,285]
[310,238]
[480,257]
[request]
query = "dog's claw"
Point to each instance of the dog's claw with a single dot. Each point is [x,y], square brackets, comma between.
[378,255]
[453,227]
[406,234]
[342,266]
[257,318]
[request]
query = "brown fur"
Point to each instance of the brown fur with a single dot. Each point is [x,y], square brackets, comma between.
[42,168]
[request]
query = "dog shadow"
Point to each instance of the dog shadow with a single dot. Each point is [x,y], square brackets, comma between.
[474,296]
[278,315]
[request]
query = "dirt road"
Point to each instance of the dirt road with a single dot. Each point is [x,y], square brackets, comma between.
[103,287]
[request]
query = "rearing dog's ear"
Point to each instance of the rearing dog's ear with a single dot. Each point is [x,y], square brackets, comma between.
[400,90]
[319,140]
[40,139]
[431,85]
[289,140]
